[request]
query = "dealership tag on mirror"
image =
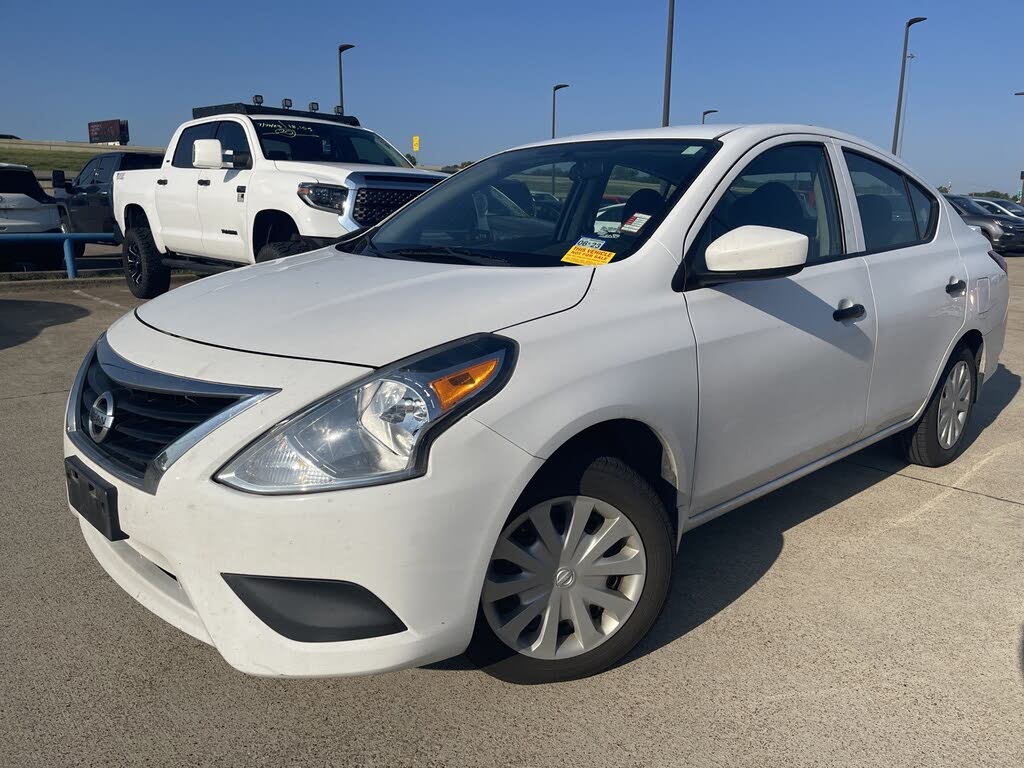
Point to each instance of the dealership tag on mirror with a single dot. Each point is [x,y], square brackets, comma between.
[587,252]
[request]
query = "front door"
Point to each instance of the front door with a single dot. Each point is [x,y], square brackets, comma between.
[222,201]
[783,379]
[177,194]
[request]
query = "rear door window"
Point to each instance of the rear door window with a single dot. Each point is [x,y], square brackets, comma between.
[183,151]
[926,210]
[883,199]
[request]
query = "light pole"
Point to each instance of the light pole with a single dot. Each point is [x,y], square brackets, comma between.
[668,62]
[341,81]
[906,103]
[1021,200]
[903,74]
[705,113]
[554,89]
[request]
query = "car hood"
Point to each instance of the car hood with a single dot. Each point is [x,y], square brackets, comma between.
[345,308]
[328,172]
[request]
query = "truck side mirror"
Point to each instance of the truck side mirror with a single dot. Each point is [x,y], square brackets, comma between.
[58,180]
[206,153]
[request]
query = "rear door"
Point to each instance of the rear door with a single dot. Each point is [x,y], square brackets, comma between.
[177,194]
[222,200]
[783,380]
[914,265]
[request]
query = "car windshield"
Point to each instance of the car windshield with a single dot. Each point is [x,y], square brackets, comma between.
[21,181]
[969,206]
[314,142]
[545,206]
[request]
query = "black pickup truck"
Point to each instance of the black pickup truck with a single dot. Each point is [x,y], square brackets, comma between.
[85,204]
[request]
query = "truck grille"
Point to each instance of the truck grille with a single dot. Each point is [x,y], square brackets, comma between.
[374,205]
[136,422]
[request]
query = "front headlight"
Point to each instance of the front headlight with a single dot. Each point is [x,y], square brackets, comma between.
[379,429]
[324,197]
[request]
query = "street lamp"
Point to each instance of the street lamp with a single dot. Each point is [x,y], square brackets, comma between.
[554,89]
[906,103]
[705,113]
[341,81]
[903,74]
[668,62]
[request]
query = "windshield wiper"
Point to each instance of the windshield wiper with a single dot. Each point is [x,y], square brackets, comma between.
[454,254]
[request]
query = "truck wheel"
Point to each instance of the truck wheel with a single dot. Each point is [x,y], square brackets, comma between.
[272,251]
[144,270]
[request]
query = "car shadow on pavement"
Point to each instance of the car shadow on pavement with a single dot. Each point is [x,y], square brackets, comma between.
[22,321]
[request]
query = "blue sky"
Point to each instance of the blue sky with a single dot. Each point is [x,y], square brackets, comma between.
[474,77]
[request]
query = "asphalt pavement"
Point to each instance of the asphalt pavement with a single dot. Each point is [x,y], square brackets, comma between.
[868,615]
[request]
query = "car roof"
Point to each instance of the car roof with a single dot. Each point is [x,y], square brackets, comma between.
[747,133]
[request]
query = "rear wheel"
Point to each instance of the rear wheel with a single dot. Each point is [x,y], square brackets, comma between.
[144,270]
[938,436]
[579,574]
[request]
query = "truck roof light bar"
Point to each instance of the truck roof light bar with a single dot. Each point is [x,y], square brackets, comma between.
[260,109]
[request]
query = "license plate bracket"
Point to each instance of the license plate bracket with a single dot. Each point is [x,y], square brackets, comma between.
[93,498]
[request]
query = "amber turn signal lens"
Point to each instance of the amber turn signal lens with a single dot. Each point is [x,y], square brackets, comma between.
[456,387]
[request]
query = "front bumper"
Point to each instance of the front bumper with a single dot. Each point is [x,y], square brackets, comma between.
[420,546]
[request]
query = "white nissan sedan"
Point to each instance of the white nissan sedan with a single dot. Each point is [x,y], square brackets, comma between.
[472,427]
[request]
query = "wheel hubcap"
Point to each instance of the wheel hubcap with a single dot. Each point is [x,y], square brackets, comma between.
[954,405]
[564,577]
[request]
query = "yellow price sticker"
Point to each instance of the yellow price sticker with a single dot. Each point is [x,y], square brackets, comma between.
[588,253]
[415,143]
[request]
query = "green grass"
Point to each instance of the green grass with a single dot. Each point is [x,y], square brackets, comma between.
[70,161]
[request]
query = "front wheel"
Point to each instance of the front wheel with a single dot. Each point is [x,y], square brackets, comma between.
[144,269]
[272,251]
[579,574]
[938,436]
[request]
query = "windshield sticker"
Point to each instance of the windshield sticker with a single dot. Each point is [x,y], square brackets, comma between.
[635,223]
[587,252]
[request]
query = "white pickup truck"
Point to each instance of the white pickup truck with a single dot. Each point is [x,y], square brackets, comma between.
[244,183]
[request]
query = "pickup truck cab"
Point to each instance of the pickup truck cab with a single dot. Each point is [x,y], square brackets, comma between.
[244,183]
[85,205]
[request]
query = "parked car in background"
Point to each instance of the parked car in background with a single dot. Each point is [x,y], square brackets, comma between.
[1006,233]
[1000,207]
[469,426]
[86,205]
[242,183]
[26,209]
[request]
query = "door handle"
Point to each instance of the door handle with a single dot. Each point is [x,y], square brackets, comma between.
[203,182]
[956,287]
[852,312]
[162,182]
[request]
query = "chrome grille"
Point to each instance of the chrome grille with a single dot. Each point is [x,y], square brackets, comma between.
[145,422]
[136,422]
[373,205]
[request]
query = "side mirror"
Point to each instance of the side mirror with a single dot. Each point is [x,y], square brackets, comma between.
[206,153]
[756,253]
[58,180]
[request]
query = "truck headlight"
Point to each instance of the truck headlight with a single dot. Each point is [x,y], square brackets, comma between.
[323,197]
[376,430]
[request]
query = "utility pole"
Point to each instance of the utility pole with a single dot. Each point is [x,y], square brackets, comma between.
[668,62]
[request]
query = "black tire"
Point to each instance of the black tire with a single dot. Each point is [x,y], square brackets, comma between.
[272,251]
[49,257]
[144,270]
[613,481]
[920,443]
[77,247]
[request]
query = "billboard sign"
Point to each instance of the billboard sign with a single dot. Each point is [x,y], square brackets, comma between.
[108,132]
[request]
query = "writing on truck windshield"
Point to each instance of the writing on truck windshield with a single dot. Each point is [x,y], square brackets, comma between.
[311,142]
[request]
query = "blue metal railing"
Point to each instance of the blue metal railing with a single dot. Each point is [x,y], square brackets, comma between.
[53,237]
